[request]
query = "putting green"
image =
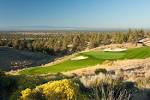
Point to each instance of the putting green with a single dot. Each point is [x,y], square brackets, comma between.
[94,57]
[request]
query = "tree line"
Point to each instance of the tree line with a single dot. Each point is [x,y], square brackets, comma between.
[65,43]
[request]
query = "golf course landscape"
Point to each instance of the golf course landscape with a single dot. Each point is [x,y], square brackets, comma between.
[91,58]
[74,50]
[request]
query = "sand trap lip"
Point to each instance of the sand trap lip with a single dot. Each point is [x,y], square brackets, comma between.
[115,49]
[79,58]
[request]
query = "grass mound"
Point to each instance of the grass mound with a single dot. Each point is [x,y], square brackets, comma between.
[94,57]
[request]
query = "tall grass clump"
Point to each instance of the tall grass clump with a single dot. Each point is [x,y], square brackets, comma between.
[104,92]
[106,87]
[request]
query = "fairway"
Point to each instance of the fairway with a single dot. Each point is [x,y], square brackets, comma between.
[94,58]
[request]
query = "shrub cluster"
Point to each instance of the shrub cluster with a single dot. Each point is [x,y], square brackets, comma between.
[56,90]
[100,70]
[106,87]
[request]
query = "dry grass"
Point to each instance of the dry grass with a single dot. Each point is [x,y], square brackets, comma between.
[96,80]
[130,68]
[113,46]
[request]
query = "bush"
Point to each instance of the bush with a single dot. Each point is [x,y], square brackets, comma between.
[56,90]
[105,87]
[100,70]
[96,80]
[105,92]
[2,73]
[119,91]
[143,82]
[29,94]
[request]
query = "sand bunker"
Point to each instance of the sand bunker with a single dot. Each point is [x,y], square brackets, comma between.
[115,49]
[79,58]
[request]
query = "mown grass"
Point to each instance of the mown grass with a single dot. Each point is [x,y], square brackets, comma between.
[94,57]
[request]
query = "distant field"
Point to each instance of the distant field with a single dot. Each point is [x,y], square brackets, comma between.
[10,56]
[94,57]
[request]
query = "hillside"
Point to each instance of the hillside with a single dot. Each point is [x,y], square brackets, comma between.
[16,59]
[91,58]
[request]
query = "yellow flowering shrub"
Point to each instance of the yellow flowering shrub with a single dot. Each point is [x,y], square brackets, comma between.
[56,90]
[29,94]
[25,93]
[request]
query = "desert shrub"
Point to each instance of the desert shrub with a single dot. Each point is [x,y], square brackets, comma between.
[110,93]
[119,74]
[113,91]
[106,87]
[56,90]
[84,91]
[143,82]
[60,76]
[96,80]
[29,94]
[25,81]
[100,70]
[147,73]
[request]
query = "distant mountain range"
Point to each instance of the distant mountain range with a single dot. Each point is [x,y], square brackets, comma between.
[54,28]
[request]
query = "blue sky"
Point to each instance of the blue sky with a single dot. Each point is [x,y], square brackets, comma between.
[75,13]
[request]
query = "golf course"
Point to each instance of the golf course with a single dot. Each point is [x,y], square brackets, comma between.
[90,58]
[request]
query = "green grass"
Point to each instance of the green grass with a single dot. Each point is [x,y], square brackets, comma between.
[94,57]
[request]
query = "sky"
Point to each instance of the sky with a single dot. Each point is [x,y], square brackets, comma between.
[75,13]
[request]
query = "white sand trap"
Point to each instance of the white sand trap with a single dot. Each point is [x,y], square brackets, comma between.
[79,58]
[115,49]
